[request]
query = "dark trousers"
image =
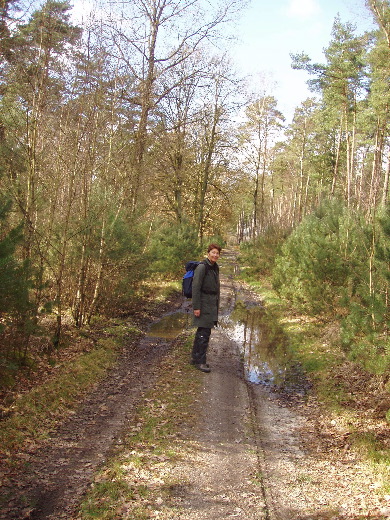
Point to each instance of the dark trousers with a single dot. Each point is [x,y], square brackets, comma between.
[201,342]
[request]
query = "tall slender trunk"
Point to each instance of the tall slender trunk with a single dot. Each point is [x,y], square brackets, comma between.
[348,184]
[255,203]
[79,302]
[372,273]
[263,173]
[80,297]
[374,169]
[146,94]
[385,192]
[301,172]
[353,149]
[99,276]
[306,199]
[64,240]
[337,161]
[294,206]
[207,167]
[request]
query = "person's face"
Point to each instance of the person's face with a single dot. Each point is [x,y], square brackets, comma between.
[213,255]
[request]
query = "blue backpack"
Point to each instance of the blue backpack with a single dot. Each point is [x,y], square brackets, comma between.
[188,278]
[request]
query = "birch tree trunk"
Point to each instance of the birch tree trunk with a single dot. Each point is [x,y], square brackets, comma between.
[385,191]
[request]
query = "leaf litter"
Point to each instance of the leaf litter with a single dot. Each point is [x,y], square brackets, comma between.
[237,451]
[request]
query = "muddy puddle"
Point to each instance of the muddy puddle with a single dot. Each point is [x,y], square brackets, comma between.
[262,343]
[170,326]
[264,348]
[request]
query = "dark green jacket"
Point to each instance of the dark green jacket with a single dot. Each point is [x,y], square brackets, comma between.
[205,294]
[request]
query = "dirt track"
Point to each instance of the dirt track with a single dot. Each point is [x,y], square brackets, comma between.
[53,481]
[253,455]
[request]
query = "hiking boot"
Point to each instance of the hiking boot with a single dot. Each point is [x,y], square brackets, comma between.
[204,367]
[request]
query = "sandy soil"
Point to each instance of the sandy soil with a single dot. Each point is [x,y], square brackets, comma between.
[253,454]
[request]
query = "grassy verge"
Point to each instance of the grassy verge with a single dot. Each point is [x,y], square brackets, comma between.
[34,413]
[55,387]
[350,398]
[137,481]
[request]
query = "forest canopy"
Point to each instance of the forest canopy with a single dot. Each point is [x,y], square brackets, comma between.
[128,140]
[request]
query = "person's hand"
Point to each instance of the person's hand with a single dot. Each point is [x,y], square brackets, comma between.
[197,313]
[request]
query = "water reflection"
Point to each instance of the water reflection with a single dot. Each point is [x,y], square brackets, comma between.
[170,326]
[263,347]
[262,343]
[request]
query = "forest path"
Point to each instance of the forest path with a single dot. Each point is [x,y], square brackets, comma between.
[252,454]
[51,483]
[257,454]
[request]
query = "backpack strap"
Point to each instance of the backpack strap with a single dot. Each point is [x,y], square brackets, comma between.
[209,268]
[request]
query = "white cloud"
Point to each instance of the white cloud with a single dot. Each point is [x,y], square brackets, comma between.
[303,8]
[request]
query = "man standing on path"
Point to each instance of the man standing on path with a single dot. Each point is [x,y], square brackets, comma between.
[205,302]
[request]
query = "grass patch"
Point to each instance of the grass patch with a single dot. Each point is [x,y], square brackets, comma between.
[140,472]
[160,289]
[36,412]
[107,497]
[368,447]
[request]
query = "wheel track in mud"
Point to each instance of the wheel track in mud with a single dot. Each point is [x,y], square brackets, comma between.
[58,473]
[294,481]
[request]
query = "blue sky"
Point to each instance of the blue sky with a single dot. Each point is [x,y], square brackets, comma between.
[269,30]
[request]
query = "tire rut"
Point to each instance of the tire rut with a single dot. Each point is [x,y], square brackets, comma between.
[60,471]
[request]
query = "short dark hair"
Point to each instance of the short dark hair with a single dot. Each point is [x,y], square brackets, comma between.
[214,246]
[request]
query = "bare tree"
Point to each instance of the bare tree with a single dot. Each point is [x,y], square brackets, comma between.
[153,39]
[263,122]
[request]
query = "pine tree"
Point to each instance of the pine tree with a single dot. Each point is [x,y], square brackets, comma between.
[342,81]
[16,321]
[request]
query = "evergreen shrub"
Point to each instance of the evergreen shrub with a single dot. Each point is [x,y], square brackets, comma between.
[16,321]
[365,328]
[310,269]
[335,262]
[324,260]
[172,245]
[14,288]
[128,263]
